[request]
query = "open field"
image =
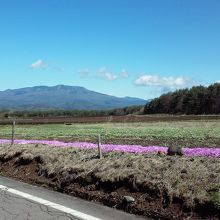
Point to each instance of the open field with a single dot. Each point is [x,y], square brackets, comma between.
[187,133]
[103,119]
[164,187]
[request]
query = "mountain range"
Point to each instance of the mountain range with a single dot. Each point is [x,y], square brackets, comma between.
[62,97]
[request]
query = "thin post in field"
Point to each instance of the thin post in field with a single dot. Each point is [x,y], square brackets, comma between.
[13,132]
[99,146]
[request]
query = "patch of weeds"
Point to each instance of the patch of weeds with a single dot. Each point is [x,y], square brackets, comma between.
[214,195]
[176,183]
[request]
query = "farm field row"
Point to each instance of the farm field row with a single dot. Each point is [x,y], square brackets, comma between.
[196,151]
[204,133]
[104,119]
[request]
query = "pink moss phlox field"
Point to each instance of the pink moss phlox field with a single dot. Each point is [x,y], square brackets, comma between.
[202,151]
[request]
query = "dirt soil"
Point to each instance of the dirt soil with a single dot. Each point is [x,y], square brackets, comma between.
[148,200]
[101,119]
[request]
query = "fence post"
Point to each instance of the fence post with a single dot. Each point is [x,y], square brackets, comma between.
[99,146]
[13,132]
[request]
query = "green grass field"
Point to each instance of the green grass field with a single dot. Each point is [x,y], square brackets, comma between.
[181,133]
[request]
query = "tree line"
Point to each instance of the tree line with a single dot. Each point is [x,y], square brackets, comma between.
[197,100]
[70,113]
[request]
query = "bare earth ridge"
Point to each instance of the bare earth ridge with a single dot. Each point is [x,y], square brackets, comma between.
[162,186]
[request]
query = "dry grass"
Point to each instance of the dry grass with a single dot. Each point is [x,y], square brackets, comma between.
[192,180]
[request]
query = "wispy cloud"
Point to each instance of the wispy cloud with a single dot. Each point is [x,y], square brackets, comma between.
[59,69]
[110,76]
[38,64]
[164,83]
[83,72]
[123,74]
[107,75]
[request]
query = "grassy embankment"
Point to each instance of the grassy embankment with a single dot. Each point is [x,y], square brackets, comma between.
[165,187]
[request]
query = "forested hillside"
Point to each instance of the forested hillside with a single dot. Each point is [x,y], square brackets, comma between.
[197,100]
[62,97]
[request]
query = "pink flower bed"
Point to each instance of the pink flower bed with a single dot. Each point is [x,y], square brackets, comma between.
[197,151]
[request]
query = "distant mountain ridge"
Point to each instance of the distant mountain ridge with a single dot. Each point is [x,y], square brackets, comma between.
[62,97]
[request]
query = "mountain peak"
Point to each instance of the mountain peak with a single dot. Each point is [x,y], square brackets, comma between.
[62,97]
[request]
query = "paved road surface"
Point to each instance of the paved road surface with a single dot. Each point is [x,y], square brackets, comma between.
[21,201]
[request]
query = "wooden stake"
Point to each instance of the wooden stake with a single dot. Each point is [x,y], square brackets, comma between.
[13,133]
[99,146]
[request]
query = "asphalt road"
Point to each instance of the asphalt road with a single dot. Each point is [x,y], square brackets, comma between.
[21,201]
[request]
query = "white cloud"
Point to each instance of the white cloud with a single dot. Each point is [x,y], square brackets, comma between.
[38,64]
[110,76]
[105,74]
[218,81]
[83,72]
[163,82]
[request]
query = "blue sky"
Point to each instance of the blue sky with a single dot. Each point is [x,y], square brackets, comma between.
[138,48]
